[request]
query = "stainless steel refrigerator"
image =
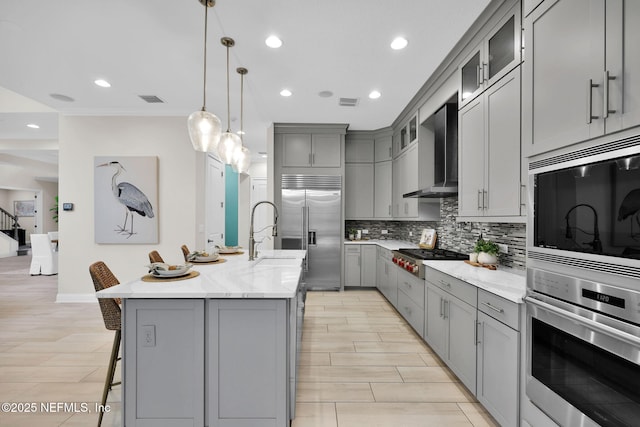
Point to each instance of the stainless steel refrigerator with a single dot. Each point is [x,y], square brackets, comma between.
[311,219]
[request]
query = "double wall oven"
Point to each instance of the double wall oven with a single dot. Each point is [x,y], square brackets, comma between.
[583,280]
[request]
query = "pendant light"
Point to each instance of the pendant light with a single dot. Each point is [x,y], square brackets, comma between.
[242,156]
[229,142]
[204,127]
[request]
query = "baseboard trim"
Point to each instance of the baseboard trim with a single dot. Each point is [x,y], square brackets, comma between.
[76,298]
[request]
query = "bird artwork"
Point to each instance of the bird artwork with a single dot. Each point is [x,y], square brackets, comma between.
[630,207]
[131,197]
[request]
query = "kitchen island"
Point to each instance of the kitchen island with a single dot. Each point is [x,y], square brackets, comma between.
[219,349]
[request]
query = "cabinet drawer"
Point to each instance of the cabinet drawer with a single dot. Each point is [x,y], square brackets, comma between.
[411,312]
[499,308]
[412,286]
[466,292]
[352,249]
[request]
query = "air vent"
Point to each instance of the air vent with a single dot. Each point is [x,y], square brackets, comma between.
[151,99]
[604,267]
[349,102]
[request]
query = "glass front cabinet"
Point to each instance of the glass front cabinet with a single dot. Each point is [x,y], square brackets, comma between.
[493,58]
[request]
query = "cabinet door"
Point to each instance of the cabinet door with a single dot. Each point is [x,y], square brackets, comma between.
[351,265]
[368,266]
[326,151]
[502,47]
[502,166]
[470,77]
[498,369]
[436,328]
[411,180]
[471,158]
[462,340]
[359,150]
[391,281]
[296,149]
[359,182]
[383,149]
[396,194]
[564,57]
[382,189]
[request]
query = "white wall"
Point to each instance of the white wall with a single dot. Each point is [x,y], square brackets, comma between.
[256,170]
[180,195]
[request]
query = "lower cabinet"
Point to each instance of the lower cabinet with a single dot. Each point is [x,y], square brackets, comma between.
[360,265]
[411,300]
[387,279]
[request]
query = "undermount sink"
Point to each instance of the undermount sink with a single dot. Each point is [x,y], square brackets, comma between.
[282,262]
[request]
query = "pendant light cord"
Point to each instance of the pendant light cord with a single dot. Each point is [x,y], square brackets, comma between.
[242,107]
[228,102]
[204,86]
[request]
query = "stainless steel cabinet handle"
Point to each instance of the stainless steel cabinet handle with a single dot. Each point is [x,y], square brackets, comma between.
[479,195]
[485,72]
[446,309]
[310,161]
[497,309]
[479,329]
[590,116]
[478,71]
[441,307]
[389,152]
[313,158]
[523,195]
[485,199]
[389,210]
[607,79]
[443,283]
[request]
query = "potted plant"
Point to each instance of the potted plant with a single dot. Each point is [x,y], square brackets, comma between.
[487,251]
[352,233]
[54,210]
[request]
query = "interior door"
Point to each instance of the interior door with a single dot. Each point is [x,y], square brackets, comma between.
[215,218]
[324,240]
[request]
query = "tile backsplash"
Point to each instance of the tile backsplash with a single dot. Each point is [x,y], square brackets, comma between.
[452,235]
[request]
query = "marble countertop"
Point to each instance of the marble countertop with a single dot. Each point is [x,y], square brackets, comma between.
[392,245]
[507,283]
[275,274]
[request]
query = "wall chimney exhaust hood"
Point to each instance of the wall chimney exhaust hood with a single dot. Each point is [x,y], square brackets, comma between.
[445,155]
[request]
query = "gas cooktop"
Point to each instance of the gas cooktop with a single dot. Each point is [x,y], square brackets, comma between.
[433,254]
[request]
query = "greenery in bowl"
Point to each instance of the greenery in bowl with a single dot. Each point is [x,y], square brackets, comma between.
[486,246]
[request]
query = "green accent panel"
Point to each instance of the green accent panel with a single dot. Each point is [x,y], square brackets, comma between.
[231,207]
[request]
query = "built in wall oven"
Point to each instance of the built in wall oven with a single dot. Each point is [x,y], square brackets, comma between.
[583,284]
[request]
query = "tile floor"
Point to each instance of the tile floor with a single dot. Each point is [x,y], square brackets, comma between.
[361,364]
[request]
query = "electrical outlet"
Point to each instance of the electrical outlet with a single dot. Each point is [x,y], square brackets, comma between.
[385,232]
[148,335]
[411,234]
[504,249]
[365,231]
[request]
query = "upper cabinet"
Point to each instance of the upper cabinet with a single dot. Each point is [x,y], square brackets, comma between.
[408,133]
[496,55]
[580,71]
[311,150]
[383,149]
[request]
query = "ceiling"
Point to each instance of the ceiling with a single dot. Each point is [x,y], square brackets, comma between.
[156,48]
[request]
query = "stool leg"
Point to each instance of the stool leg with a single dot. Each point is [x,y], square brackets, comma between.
[110,373]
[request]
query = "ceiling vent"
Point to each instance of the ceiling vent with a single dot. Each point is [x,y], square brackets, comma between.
[348,102]
[151,99]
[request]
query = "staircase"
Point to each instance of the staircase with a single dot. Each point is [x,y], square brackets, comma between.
[9,226]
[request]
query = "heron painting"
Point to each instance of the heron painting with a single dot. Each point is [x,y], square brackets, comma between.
[125,196]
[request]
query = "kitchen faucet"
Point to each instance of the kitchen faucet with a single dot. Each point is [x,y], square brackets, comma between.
[274,232]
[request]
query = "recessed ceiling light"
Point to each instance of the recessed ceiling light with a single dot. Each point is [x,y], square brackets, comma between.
[399,43]
[102,83]
[374,94]
[285,92]
[61,97]
[273,42]
[33,126]
[325,94]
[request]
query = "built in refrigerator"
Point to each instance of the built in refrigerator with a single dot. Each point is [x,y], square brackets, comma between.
[311,220]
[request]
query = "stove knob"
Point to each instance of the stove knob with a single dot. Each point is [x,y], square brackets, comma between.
[408,266]
[401,263]
[415,269]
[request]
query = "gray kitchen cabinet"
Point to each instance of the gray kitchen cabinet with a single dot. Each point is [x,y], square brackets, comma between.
[411,300]
[368,266]
[383,186]
[579,72]
[170,333]
[359,190]
[311,150]
[496,55]
[405,179]
[490,151]
[451,312]
[245,384]
[383,149]
[387,276]
[351,265]
[498,369]
[359,149]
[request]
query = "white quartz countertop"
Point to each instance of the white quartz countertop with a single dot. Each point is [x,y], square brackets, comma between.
[392,245]
[507,283]
[275,274]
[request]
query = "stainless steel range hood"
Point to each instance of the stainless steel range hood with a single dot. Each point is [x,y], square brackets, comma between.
[445,155]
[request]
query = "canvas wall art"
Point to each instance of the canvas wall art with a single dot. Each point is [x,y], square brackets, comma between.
[24,208]
[126,199]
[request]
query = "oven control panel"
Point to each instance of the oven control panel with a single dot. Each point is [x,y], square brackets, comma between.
[410,265]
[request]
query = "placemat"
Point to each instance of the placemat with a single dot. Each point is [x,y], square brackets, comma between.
[232,253]
[150,278]
[218,261]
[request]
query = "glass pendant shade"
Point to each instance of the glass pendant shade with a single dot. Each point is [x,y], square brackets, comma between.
[204,131]
[229,143]
[242,160]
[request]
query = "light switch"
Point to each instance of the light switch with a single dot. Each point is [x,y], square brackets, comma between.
[148,335]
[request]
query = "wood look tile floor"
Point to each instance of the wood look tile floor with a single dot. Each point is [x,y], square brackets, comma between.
[361,364]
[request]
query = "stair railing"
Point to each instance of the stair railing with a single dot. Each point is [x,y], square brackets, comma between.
[9,222]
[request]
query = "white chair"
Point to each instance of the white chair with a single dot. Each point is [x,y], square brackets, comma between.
[43,258]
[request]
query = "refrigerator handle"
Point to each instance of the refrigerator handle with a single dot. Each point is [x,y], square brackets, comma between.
[305,235]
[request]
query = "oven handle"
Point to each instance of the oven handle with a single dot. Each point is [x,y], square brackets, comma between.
[598,327]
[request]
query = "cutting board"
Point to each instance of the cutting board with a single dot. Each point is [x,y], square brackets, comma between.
[428,238]
[477,264]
